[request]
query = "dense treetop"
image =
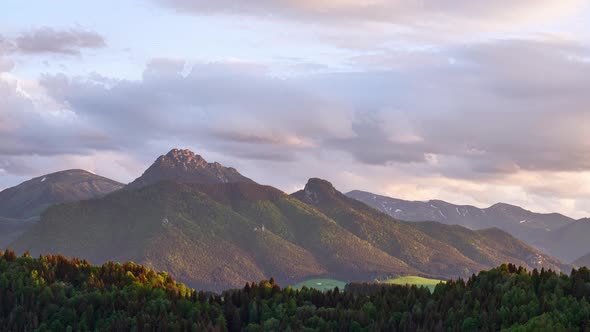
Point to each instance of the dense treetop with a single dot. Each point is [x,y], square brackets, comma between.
[60,294]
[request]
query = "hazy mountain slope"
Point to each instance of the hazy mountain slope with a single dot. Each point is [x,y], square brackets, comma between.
[490,246]
[525,225]
[569,242]
[583,261]
[185,166]
[20,206]
[433,243]
[10,229]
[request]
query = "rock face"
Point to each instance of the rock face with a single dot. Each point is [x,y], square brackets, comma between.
[317,190]
[186,167]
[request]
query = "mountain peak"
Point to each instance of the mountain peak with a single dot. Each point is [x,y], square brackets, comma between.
[317,184]
[317,190]
[30,198]
[183,158]
[506,207]
[183,165]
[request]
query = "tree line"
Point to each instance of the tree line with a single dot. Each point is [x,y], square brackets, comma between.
[55,293]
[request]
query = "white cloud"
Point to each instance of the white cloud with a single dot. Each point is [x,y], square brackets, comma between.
[374,21]
[385,10]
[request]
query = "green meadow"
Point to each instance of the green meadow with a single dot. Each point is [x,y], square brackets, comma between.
[414,280]
[321,284]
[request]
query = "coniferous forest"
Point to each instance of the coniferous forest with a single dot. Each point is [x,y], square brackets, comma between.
[54,293]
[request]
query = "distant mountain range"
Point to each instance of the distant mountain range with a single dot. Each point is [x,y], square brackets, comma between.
[553,233]
[213,228]
[21,206]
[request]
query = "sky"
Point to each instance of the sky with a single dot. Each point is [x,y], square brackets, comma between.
[473,102]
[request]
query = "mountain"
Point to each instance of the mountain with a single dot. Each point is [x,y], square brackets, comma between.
[184,166]
[224,234]
[569,242]
[432,247]
[30,198]
[21,206]
[583,261]
[526,225]
[10,229]
[212,236]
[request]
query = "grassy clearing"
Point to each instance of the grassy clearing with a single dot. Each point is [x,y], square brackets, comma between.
[321,284]
[414,280]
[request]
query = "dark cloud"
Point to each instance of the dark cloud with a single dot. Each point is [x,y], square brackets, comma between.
[50,40]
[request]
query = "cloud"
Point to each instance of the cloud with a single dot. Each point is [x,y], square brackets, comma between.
[6,46]
[50,40]
[33,123]
[6,65]
[385,10]
[502,107]
[490,114]
[474,130]
[434,15]
[47,40]
[229,104]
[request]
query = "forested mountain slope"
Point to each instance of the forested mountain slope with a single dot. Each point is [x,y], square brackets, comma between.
[220,234]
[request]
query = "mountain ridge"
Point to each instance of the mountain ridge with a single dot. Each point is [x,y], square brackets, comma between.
[533,228]
[214,234]
[356,209]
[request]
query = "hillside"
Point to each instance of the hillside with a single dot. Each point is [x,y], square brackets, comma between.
[53,293]
[583,261]
[220,235]
[210,236]
[528,226]
[10,229]
[427,246]
[21,206]
[569,242]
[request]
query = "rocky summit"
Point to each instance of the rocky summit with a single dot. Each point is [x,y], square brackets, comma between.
[181,165]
